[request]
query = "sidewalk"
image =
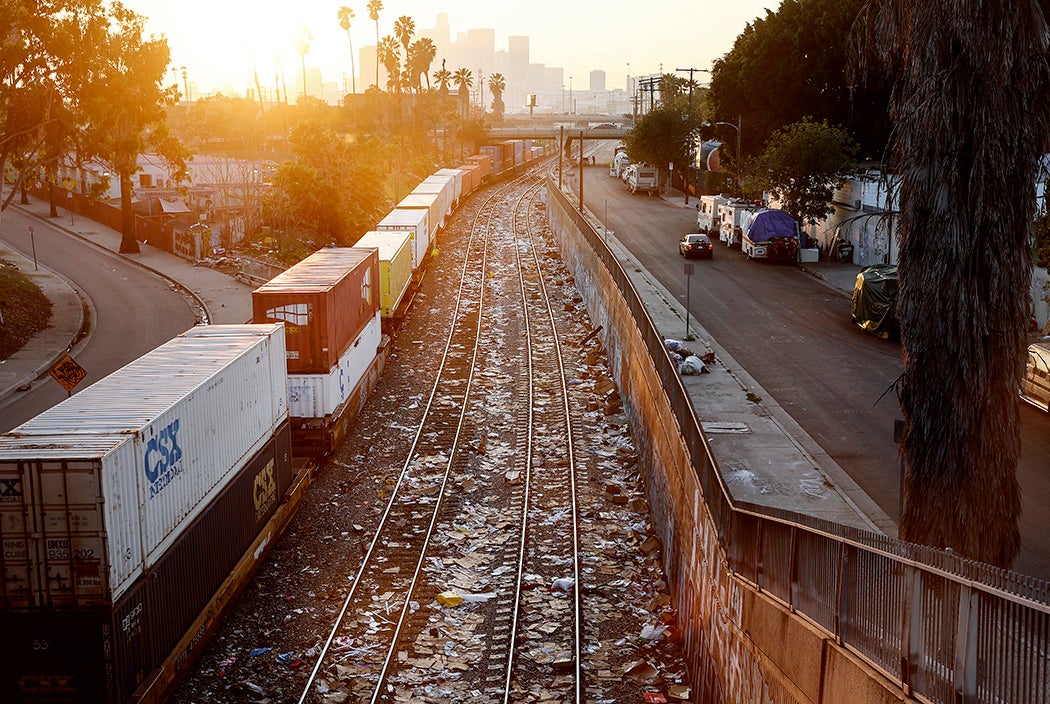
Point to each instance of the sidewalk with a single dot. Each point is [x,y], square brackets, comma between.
[220,299]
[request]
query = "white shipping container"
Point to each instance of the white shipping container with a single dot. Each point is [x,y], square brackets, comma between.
[100,485]
[444,186]
[319,395]
[414,221]
[457,187]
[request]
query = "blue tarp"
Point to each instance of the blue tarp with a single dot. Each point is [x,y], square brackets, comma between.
[768,224]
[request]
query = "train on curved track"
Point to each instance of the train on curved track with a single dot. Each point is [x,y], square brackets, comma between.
[133,513]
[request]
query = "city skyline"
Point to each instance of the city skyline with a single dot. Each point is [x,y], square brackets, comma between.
[222,45]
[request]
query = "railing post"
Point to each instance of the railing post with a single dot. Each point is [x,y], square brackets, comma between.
[966,647]
[840,593]
[793,569]
[911,628]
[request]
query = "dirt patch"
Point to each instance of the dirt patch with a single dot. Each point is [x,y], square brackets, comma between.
[24,310]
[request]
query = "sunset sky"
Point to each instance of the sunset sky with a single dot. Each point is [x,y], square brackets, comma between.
[219,40]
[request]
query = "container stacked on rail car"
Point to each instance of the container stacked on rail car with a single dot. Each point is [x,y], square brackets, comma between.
[394,248]
[329,304]
[125,507]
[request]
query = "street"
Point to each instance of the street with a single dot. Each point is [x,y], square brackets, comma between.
[793,335]
[132,310]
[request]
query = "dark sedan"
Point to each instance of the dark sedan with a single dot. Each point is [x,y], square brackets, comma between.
[696,245]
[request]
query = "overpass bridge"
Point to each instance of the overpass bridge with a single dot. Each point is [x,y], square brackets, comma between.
[555,132]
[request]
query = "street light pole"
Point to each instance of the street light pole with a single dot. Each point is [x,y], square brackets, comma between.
[737,127]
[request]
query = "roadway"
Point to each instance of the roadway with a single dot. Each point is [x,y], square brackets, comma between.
[130,310]
[793,335]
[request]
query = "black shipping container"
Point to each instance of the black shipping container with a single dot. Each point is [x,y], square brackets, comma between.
[87,656]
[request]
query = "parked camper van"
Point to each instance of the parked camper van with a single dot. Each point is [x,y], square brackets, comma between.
[708,219]
[1035,386]
[643,178]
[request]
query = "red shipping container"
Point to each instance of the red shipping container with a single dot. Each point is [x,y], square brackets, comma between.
[324,301]
[484,162]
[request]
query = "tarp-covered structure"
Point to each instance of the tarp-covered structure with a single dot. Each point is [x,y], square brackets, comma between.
[767,224]
[875,300]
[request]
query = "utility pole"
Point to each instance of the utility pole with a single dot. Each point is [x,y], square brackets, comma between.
[692,156]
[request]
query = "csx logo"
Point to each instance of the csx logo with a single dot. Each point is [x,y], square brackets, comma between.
[265,494]
[162,457]
[47,684]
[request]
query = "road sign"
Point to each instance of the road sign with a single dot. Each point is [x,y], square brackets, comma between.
[688,268]
[68,373]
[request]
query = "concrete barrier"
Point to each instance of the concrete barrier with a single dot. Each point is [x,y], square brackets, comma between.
[740,644]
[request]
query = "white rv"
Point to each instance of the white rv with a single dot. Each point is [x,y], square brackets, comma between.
[707,216]
[735,216]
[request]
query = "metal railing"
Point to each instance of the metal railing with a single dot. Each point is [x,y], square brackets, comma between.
[946,628]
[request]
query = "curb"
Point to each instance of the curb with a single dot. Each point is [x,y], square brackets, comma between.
[60,292]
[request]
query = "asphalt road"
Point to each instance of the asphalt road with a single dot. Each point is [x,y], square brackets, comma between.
[133,310]
[793,335]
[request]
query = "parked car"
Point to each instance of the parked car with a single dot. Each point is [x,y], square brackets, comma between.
[1035,386]
[697,245]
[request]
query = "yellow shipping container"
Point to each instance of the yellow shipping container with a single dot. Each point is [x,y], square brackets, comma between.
[395,265]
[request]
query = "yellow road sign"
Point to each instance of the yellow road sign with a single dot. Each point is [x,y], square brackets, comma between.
[68,373]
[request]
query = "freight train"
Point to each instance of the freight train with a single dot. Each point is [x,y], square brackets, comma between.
[134,512]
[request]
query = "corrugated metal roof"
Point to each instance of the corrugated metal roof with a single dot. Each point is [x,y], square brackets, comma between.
[406,217]
[133,396]
[388,242]
[319,272]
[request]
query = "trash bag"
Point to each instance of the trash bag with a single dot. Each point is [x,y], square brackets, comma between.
[692,365]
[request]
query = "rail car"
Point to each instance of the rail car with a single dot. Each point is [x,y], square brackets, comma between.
[134,512]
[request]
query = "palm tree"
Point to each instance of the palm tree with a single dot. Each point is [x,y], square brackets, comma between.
[969,132]
[425,54]
[443,78]
[345,15]
[388,54]
[497,85]
[374,6]
[464,80]
[404,28]
[302,47]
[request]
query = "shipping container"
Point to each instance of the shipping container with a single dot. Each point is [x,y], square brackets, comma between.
[102,484]
[471,177]
[319,395]
[430,202]
[513,152]
[457,183]
[395,267]
[495,154]
[416,223]
[105,653]
[324,301]
[444,188]
[483,162]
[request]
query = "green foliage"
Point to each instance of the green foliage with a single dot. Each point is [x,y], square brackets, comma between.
[792,63]
[801,166]
[666,134]
[24,309]
[330,192]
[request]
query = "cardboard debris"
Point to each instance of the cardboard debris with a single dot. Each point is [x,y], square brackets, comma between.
[640,671]
[678,691]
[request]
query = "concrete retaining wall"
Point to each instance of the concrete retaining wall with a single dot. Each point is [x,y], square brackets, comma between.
[740,644]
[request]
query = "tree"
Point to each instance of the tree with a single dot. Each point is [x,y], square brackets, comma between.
[970,122]
[801,166]
[404,28]
[388,54]
[443,78]
[423,54]
[464,80]
[497,85]
[792,63]
[374,8]
[345,15]
[121,106]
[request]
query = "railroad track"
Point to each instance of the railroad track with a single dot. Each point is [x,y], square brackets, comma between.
[476,495]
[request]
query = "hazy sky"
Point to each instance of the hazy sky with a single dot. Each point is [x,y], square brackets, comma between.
[218,40]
